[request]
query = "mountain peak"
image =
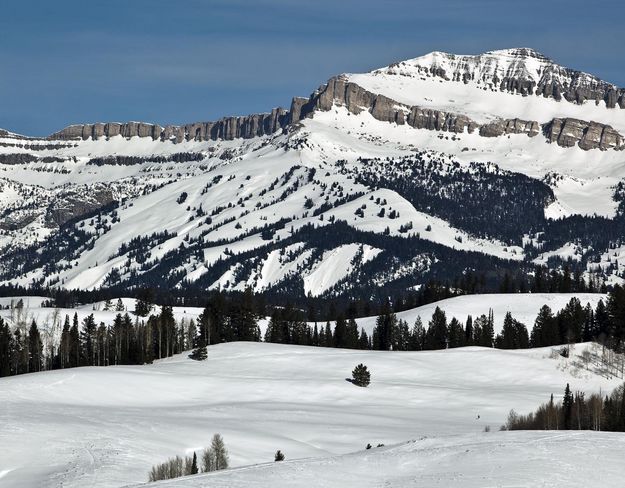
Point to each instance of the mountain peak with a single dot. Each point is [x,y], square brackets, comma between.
[521,70]
[517,52]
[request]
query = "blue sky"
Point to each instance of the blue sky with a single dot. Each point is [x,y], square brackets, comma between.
[181,61]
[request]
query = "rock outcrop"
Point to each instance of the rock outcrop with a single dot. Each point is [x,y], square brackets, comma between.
[510,126]
[570,132]
[75,204]
[227,128]
[356,99]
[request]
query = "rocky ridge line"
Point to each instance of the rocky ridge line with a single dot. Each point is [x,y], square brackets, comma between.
[566,132]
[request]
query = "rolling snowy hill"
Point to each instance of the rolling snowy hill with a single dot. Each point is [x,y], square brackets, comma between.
[106,427]
[468,461]
[430,168]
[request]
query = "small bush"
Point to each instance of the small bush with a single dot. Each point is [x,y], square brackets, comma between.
[199,354]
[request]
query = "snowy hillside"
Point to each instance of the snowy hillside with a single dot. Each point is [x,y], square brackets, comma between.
[468,461]
[106,427]
[524,307]
[428,169]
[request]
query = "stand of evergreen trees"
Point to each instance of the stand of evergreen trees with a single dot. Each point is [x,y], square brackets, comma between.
[153,333]
[576,411]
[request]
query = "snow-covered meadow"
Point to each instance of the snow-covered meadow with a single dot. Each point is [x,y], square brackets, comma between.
[106,427]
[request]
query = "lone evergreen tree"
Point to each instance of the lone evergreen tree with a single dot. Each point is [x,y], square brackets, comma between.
[361,376]
[279,456]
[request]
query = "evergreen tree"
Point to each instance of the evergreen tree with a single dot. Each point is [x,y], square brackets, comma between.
[340,332]
[329,337]
[243,318]
[602,320]
[363,340]
[351,334]
[571,322]
[6,341]
[513,335]
[590,326]
[35,348]
[74,343]
[385,328]
[545,330]
[199,353]
[567,407]
[194,469]
[144,302]
[468,331]
[315,336]
[64,346]
[455,333]
[436,335]
[88,340]
[361,376]
[417,336]
[279,456]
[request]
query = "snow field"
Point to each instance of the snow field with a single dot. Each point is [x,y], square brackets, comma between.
[107,426]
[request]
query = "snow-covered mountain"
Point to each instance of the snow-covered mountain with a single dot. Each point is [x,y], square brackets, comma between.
[433,167]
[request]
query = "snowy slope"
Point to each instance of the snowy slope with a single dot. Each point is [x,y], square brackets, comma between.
[215,197]
[416,82]
[106,427]
[519,459]
[524,307]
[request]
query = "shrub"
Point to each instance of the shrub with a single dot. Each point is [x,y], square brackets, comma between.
[199,354]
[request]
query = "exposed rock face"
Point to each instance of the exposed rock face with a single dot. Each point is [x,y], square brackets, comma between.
[356,100]
[227,128]
[587,135]
[74,205]
[437,120]
[510,126]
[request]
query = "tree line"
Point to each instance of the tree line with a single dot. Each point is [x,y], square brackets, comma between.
[153,333]
[576,411]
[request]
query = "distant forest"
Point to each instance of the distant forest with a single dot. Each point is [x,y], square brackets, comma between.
[152,332]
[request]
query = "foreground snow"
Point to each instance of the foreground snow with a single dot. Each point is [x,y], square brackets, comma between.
[106,427]
[499,459]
